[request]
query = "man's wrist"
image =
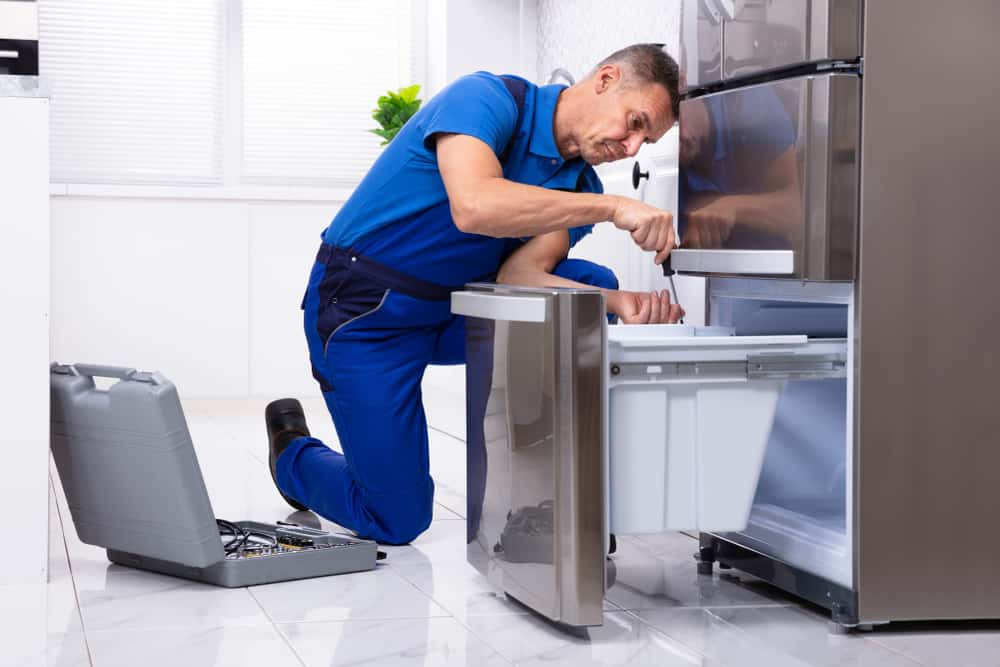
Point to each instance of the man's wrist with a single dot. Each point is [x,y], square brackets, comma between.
[613,203]
[611,297]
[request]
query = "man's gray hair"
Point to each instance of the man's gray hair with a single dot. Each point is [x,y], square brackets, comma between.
[649,63]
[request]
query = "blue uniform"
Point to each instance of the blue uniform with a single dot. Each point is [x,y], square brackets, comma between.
[377,307]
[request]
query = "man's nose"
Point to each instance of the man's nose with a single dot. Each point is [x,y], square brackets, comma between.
[632,145]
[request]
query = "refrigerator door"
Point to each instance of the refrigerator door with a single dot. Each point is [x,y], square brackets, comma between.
[535,409]
[772,34]
[769,179]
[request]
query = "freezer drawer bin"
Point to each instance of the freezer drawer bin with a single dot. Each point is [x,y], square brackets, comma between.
[690,415]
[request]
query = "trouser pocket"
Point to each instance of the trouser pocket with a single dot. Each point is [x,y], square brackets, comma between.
[344,297]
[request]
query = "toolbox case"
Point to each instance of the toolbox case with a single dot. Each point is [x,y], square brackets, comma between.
[134,487]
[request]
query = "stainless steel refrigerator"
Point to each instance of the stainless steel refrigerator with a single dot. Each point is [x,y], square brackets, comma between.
[860,137]
[832,430]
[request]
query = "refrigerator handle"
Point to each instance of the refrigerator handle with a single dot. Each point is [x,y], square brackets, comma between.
[500,307]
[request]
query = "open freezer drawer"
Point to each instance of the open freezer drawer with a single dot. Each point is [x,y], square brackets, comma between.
[690,414]
[562,409]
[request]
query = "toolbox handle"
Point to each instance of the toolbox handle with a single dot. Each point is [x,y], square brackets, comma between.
[105,371]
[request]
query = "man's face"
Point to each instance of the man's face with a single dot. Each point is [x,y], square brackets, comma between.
[624,115]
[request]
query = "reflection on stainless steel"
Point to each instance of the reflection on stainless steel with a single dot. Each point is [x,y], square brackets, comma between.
[701,48]
[759,165]
[536,500]
[765,36]
[779,33]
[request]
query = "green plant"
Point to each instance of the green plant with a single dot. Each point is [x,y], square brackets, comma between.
[394,109]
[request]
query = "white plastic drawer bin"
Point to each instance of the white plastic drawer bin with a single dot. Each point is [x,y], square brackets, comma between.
[690,414]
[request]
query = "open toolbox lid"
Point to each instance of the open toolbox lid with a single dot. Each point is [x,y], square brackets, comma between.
[128,466]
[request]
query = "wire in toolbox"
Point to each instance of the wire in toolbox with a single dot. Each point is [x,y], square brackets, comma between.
[240,536]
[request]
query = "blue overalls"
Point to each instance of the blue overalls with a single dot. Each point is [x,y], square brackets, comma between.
[377,306]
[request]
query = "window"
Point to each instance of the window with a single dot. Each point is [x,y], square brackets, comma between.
[136,89]
[312,73]
[220,91]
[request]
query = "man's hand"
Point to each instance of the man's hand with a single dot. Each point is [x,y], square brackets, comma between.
[710,222]
[651,228]
[644,307]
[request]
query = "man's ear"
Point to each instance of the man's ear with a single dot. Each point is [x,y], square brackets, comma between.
[605,77]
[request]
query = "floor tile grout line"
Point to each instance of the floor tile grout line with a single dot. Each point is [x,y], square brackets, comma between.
[468,628]
[669,636]
[277,629]
[458,620]
[903,655]
[69,568]
[450,435]
[418,589]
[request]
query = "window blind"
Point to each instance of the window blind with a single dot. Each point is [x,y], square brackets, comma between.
[137,89]
[312,73]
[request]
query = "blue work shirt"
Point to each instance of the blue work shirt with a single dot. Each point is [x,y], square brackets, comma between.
[399,215]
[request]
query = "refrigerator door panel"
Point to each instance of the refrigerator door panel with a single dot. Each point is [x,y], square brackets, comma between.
[772,34]
[774,168]
[535,410]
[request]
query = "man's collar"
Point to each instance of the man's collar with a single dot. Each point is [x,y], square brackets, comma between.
[543,140]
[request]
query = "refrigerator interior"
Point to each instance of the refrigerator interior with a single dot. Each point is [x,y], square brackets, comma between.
[802,511]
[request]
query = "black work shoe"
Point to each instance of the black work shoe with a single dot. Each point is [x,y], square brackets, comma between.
[285,422]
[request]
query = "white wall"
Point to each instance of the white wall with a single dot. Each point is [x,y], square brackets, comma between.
[207,292]
[469,35]
[577,34]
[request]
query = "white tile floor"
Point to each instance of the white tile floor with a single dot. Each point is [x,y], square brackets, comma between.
[423,605]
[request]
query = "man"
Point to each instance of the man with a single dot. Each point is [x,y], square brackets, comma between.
[491,180]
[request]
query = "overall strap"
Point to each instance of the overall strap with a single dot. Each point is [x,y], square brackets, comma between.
[516,87]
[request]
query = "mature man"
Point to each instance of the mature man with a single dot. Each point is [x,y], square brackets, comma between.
[491,180]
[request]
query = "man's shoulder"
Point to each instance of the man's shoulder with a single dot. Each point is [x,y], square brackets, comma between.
[482,88]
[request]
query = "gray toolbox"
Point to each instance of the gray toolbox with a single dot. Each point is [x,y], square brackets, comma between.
[134,487]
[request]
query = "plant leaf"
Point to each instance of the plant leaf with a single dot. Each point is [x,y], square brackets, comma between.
[393,109]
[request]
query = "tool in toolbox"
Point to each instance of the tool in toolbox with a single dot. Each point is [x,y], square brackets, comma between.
[134,487]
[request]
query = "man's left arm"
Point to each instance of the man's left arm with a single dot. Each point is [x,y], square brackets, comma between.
[532,264]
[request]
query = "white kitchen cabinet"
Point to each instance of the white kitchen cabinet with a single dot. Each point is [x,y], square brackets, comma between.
[24,343]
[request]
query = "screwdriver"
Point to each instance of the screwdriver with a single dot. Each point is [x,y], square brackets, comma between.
[669,272]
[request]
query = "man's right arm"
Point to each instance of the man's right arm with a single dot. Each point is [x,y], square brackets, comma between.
[484,202]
